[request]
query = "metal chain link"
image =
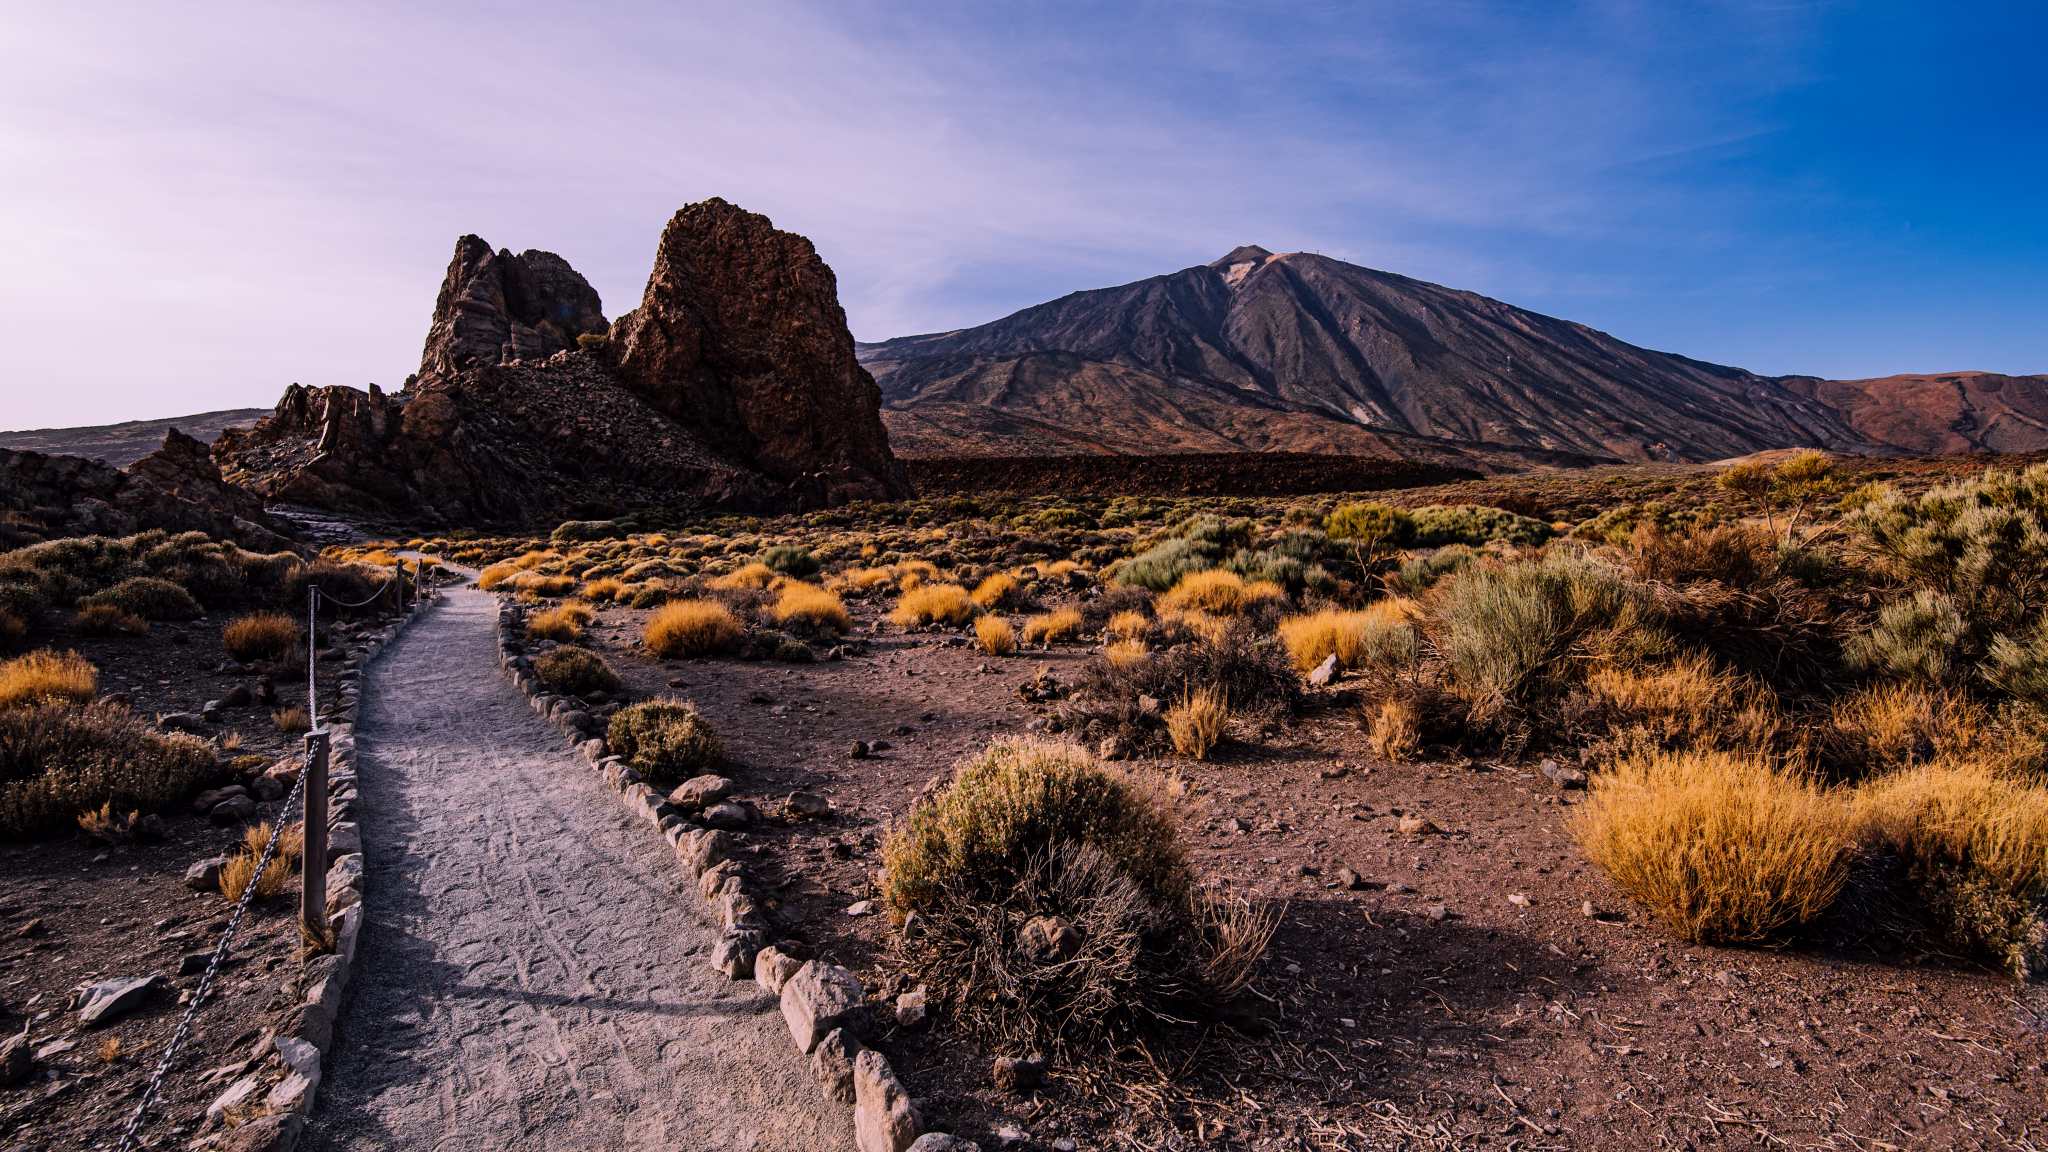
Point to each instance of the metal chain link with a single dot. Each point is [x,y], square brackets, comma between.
[220,951]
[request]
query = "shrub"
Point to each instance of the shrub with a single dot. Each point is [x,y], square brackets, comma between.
[1218,591]
[1053,627]
[1372,529]
[292,720]
[1506,629]
[1686,698]
[496,575]
[1420,572]
[752,577]
[1920,638]
[1897,725]
[1000,590]
[574,671]
[45,677]
[1472,524]
[790,560]
[2019,665]
[536,584]
[240,870]
[147,597]
[664,740]
[607,589]
[1737,555]
[1394,730]
[1126,653]
[58,759]
[108,620]
[1047,900]
[684,628]
[1196,723]
[258,636]
[933,604]
[807,607]
[564,623]
[1382,635]
[1719,845]
[13,630]
[1127,625]
[1975,850]
[995,635]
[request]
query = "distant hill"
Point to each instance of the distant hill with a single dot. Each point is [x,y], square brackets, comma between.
[1941,412]
[123,444]
[1303,353]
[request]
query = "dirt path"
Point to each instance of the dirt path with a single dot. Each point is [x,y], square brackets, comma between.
[533,973]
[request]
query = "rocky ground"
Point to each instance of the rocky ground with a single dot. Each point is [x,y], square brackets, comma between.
[75,912]
[1471,983]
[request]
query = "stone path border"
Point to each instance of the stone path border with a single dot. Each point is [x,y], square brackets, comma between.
[822,1003]
[266,1109]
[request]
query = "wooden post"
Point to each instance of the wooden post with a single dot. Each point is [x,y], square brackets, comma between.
[313,865]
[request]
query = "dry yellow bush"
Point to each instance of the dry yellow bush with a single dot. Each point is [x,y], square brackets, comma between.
[47,676]
[1382,634]
[261,636]
[540,584]
[496,574]
[1395,730]
[564,623]
[807,606]
[1128,625]
[240,869]
[911,574]
[752,577]
[998,591]
[1898,724]
[1687,698]
[995,635]
[933,604]
[1721,846]
[863,579]
[692,628]
[1215,591]
[1053,627]
[1123,654]
[1197,722]
[606,590]
[292,720]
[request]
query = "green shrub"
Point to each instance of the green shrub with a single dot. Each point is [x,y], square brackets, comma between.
[1473,524]
[148,597]
[1161,566]
[575,671]
[1371,529]
[1506,629]
[1420,572]
[1919,638]
[791,560]
[664,740]
[58,760]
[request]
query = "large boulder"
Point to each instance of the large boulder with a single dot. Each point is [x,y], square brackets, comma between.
[496,307]
[741,335]
[45,496]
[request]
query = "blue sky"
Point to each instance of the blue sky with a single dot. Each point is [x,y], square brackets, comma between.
[205,203]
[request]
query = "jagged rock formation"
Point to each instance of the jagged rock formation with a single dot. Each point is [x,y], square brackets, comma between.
[740,334]
[1301,352]
[43,497]
[496,307]
[733,385]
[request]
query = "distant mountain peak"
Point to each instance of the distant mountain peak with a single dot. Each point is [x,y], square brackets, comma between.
[1242,254]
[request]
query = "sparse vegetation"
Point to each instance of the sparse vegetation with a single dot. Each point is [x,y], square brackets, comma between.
[564,622]
[933,604]
[1057,626]
[59,758]
[574,671]
[45,678]
[1196,724]
[995,635]
[664,740]
[686,628]
[809,608]
[262,636]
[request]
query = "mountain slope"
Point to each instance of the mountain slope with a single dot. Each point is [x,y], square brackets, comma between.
[1940,412]
[1302,352]
[124,444]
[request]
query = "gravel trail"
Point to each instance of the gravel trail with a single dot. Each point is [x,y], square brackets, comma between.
[532,973]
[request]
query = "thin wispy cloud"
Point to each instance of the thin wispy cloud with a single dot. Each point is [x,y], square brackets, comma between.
[258,194]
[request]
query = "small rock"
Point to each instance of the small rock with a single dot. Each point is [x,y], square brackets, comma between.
[1019,1074]
[728,816]
[860,908]
[1149,705]
[1518,899]
[16,1061]
[267,788]
[193,963]
[941,1142]
[1324,672]
[182,722]
[734,953]
[1048,940]
[772,969]
[1349,880]
[1587,910]
[1563,777]
[910,1009]
[103,1002]
[1412,825]
[832,1066]
[700,791]
[818,999]
[1111,748]
[233,810]
[808,806]
[1437,912]
[884,1119]
[861,750]
[204,875]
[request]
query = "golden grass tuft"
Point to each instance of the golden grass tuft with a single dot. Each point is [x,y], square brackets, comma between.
[1126,654]
[1218,592]
[1196,723]
[692,628]
[933,604]
[998,591]
[607,590]
[995,636]
[807,606]
[108,620]
[1721,846]
[1053,627]
[1687,698]
[1394,730]
[47,676]
[564,623]
[292,720]
[751,578]
[863,579]
[1128,625]
[1896,724]
[1382,634]
[262,636]
[240,869]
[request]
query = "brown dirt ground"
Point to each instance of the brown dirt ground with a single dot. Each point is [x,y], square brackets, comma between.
[1425,1008]
[73,911]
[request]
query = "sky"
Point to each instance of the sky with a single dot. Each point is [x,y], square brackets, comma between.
[203,203]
